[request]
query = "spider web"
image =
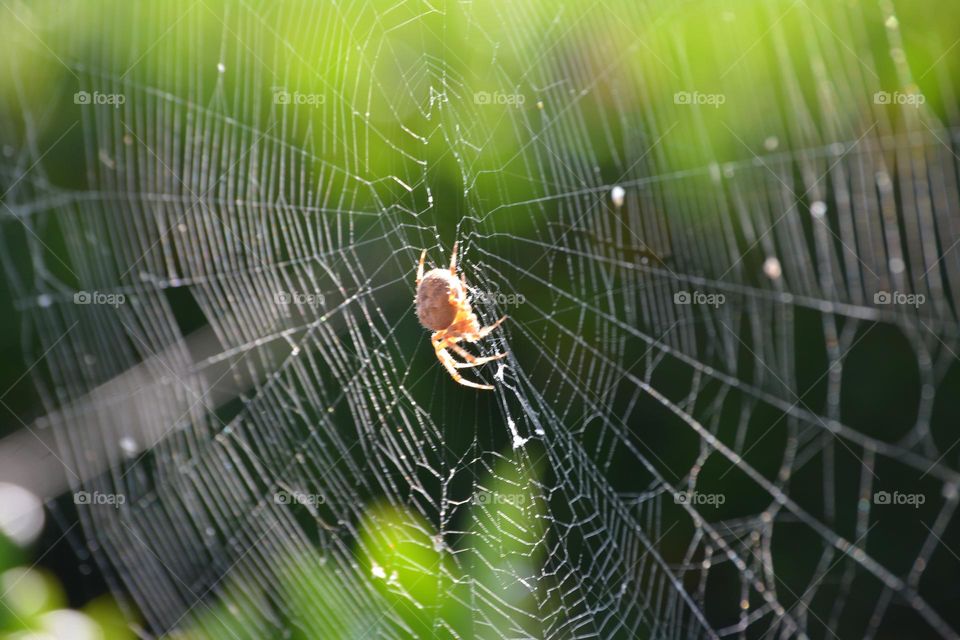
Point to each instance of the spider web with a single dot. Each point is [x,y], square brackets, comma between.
[687,210]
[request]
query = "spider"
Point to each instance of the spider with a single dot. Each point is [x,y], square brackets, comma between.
[442,307]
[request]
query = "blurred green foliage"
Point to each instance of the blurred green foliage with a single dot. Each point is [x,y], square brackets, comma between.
[436,589]
[31,599]
[753,53]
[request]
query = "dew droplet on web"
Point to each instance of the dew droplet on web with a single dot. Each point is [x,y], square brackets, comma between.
[128,445]
[949,491]
[715,174]
[617,195]
[106,159]
[818,208]
[221,68]
[897,265]
[772,268]
[771,143]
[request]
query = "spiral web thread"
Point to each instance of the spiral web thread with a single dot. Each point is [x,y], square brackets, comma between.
[621,413]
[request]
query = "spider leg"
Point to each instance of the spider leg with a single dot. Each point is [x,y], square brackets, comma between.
[453,260]
[483,332]
[472,359]
[423,256]
[461,365]
[451,366]
[439,346]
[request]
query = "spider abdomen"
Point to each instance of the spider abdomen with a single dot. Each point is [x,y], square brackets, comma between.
[442,306]
[434,309]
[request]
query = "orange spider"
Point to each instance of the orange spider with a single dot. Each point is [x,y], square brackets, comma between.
[442,307]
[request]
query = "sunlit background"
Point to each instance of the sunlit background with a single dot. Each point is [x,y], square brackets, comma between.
[239,430]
